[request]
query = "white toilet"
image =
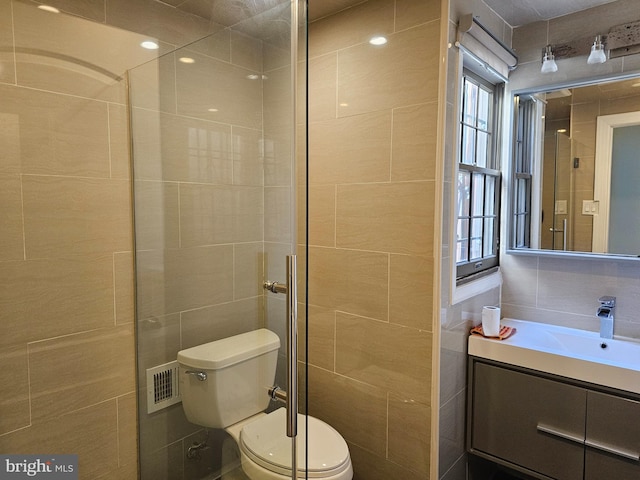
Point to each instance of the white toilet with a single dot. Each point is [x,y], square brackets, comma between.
[224,384]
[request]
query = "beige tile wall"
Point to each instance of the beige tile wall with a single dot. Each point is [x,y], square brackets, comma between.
[372,135]
[66,260]
[66,269]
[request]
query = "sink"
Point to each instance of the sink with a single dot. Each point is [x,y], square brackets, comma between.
[567,352]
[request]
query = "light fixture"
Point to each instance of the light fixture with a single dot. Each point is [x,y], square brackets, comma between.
[378,40]
[187,60]
[597,54]
[548,61]
[48,8]
[150,45]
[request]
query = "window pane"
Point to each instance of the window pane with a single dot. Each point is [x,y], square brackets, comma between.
[487,248]
[462,241]
[478,195]
[470,111]
[482,149]
[464,194]
[476,239]
[483,109]
[490,196]
[468,153]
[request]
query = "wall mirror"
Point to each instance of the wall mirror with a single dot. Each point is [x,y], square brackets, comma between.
[576,169]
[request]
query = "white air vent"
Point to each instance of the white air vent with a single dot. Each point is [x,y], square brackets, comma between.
[163,387]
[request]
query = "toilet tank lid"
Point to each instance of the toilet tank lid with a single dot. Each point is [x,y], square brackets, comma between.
[229,351]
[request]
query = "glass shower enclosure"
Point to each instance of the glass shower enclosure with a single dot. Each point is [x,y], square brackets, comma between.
[219,170]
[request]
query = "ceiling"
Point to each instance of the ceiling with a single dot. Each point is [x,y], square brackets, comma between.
[514,12]
[522,12]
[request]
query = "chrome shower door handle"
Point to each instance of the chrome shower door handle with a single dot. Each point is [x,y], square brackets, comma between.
[292,346]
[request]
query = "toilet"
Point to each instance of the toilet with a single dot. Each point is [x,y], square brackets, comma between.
[224,384]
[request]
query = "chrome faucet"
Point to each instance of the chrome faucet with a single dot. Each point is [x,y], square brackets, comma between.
[605,314]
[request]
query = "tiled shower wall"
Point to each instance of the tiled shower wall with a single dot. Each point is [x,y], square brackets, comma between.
[66,268]
[212,202]
[372,142]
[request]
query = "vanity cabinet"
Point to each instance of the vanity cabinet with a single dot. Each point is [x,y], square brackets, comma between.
[550,428]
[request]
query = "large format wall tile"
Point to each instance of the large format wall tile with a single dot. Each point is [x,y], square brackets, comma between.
[388,356]
[212,214]
[50,297]
[75,215]
[399,73]
[11,240]
[14,403]
[409,433]
[176,148]
[323,84]
[71,58]
[353,26]
[183,279]
[157,215]
[91,433]
[351,149]
[209,324]
[7,61]
[70,372]
[415,133]
[329,398]
[237,96]
[53,134]
[350,281]
[388,217]
[411,291]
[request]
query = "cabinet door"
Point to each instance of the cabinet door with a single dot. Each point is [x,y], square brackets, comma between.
[529,421]
[613,438]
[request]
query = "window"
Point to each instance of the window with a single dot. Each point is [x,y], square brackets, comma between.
[524,153]
[478,183]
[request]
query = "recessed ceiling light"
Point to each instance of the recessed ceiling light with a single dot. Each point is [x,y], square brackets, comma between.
[253,76]
[150,45]
[186,60]
[344,104]
[378,40]
[48,8]
[213,110]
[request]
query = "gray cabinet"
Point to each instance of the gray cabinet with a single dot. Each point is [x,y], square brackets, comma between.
[551,429]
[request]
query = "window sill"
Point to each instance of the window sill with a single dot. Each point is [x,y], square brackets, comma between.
[460,293]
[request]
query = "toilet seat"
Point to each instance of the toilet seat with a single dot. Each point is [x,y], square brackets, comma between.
[264,442]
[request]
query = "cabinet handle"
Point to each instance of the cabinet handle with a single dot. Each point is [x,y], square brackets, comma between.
[572,437]
[615,451]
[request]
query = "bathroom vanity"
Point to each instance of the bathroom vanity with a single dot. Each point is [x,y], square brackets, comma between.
[556,403]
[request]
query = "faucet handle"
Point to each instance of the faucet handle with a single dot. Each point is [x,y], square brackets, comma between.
[607,301]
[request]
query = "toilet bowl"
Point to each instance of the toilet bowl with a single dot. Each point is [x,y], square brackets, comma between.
[265,449]
[225,384]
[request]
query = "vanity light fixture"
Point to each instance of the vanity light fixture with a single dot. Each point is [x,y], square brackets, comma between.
[597,54]
[548,61]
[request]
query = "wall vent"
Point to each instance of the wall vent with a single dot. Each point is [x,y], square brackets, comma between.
[163,386]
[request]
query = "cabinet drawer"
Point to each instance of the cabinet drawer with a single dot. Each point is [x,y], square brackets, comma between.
[532,422]
[612,438]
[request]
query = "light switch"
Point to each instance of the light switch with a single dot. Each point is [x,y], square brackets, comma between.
[590,207]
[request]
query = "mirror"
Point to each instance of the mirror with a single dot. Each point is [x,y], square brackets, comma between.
[576,169]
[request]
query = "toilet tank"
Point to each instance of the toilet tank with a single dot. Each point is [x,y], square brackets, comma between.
[239,372]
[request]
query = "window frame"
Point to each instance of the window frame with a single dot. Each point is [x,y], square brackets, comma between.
[469,269]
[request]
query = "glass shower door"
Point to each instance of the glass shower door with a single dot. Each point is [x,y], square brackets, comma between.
[217,133]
